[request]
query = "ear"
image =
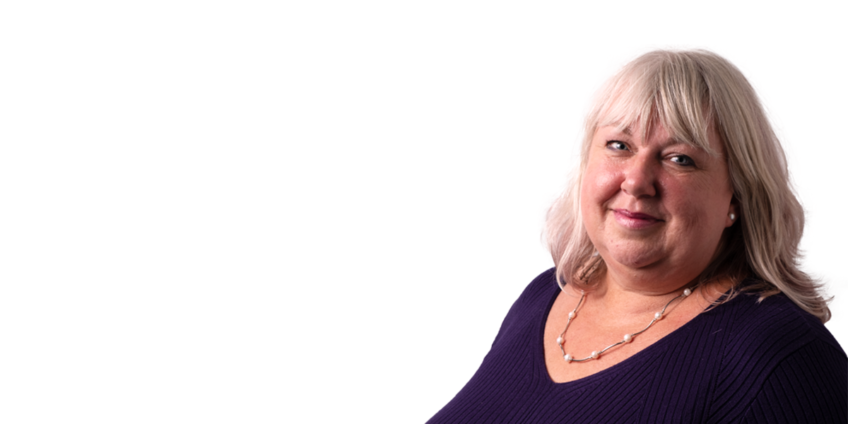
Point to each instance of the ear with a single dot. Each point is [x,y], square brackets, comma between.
[732,213]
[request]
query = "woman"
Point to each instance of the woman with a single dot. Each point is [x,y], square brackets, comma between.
[676,295]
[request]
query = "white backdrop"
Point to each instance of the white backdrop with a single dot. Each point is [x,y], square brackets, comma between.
[319,211]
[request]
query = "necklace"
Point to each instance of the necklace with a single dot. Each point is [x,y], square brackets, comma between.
[627,337]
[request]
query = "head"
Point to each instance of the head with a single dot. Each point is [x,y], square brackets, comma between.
[702,100]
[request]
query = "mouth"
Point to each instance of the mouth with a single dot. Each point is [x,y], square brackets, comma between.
[634,220]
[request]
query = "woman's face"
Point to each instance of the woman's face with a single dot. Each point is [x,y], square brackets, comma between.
[655,204]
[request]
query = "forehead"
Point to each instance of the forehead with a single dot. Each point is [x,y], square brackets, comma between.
[639,99]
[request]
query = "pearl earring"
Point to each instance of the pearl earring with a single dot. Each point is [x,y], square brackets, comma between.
[732,216]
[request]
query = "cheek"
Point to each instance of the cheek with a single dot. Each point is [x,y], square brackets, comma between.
[599,186]
[702,211]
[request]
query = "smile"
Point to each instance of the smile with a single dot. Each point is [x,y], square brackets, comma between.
[634,220]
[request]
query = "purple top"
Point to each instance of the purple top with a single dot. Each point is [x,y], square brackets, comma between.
[741,362]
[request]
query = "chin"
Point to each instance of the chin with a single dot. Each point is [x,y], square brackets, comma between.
[631,258]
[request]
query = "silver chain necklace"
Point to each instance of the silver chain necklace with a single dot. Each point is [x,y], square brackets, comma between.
[627,337]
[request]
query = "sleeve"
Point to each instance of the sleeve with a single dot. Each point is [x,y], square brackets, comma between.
[808,386]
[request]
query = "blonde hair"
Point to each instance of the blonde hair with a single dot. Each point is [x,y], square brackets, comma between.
[688,92]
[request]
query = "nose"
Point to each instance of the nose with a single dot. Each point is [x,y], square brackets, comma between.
[640,178]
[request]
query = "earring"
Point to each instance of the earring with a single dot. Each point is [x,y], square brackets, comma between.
[732,216]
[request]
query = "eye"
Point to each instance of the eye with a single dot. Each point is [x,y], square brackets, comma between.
[616,145]
[683,160]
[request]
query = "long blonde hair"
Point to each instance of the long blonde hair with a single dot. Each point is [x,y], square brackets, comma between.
[688,92]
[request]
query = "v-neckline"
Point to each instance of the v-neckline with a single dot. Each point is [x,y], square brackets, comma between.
[635,359]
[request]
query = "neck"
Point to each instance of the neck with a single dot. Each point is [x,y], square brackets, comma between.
[629,296]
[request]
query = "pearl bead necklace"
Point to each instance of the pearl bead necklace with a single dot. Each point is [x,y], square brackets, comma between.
[627,337]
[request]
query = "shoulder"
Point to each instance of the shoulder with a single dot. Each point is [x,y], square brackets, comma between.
[537,294]
[771,324]
[777,360]
[535,299]
[540,287]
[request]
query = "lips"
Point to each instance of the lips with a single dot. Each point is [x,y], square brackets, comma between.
[634,220]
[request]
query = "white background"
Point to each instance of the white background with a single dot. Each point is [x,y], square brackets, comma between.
[319,211]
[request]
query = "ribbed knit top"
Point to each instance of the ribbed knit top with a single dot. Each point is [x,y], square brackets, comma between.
[743,361]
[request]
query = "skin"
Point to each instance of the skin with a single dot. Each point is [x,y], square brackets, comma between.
[683,192]
[656,210]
